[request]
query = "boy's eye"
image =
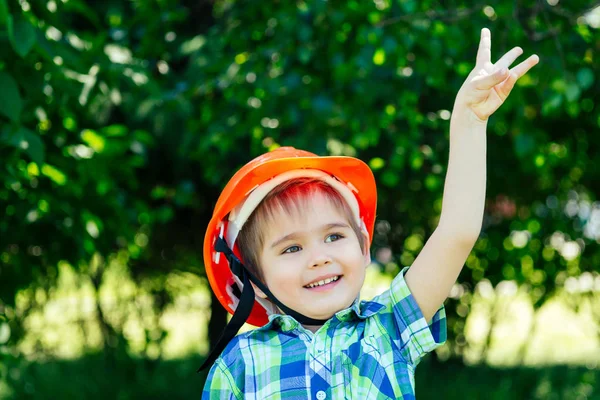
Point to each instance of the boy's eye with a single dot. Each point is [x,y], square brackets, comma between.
[292,249]
[333,237]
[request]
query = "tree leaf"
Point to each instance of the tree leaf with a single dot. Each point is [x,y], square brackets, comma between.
[21,34]
[585,78]
[573,91]
[27,140]
[10,101]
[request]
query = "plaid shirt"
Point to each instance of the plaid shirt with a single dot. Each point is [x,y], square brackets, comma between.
[368,351]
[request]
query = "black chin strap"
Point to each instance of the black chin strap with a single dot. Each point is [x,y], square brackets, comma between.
[242,312]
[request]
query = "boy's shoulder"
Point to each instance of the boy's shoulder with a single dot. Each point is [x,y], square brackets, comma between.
[242,344]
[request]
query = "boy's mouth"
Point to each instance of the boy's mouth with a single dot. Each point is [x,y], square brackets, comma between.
[323,282]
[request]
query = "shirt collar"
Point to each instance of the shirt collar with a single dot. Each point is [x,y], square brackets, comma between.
[359,310]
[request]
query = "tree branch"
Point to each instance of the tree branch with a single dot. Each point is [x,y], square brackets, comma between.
[571,16]
[438,15]
[559,48]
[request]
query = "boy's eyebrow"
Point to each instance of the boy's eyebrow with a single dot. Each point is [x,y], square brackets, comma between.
[295,234]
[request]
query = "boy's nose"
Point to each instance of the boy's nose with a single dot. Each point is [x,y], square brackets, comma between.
[320,261]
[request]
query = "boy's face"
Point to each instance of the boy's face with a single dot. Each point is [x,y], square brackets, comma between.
[303,249]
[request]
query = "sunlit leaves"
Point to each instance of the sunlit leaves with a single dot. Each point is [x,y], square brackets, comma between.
[413,243]
[94,140]
[54,174]
[376,163]
[433,182]
[93,225]
[584,31]
[241,58]
[379,57]
[191,45]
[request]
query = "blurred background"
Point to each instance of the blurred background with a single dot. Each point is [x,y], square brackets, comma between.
[121,121]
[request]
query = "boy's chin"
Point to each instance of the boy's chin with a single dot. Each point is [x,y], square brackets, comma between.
[327,311]
[321,315]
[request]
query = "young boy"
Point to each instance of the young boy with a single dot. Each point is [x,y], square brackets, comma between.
[300,227]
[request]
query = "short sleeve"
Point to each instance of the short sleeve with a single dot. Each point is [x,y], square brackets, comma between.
[220,384]
[418,336]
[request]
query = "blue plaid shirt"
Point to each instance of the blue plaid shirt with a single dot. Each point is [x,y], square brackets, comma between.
[368,351]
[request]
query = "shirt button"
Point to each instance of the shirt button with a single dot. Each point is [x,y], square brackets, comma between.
[321,395]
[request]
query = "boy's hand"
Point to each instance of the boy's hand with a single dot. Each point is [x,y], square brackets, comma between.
[488,85]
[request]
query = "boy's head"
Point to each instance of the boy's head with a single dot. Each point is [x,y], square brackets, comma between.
[317,204]
[307,245]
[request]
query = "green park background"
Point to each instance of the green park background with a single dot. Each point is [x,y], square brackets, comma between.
[121,121]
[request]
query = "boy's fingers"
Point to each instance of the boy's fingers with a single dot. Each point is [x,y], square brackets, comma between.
[525,66]
[489,81]
[501,75]
[506,87]
[509,58]
[484,53]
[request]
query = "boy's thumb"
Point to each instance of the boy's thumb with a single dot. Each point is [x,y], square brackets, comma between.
[492,80]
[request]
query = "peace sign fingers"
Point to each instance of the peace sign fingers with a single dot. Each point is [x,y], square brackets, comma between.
[525,66]
[508,58]
[484,53]
[489,84]
[504,88]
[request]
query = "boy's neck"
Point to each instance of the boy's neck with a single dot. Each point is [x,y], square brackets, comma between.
[312,328]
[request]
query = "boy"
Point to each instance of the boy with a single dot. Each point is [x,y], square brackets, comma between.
[300,227]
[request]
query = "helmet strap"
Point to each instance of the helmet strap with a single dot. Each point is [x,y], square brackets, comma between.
[244,308]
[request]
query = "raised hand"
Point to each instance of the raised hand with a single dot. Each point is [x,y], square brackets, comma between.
[488,85]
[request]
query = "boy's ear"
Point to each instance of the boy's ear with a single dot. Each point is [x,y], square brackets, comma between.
[367,249]
[367,258]
[259,292]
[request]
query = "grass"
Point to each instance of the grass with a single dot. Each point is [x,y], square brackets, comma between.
[97,376]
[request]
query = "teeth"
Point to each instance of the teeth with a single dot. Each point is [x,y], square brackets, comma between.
[323,282]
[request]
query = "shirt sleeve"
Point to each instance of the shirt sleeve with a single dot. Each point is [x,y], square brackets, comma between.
[220,384]
[417,336]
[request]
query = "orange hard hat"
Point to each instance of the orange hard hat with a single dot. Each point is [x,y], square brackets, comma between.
[346,174]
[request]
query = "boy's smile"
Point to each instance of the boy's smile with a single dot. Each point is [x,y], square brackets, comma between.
[311,259]
[324,282]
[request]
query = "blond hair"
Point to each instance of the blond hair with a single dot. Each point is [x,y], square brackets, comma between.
[291,197]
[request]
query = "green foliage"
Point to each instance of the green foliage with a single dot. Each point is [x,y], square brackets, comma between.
[120,119]
[21,34]
[11,100]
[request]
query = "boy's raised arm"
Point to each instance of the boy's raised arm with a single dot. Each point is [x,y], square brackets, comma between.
[436,268]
